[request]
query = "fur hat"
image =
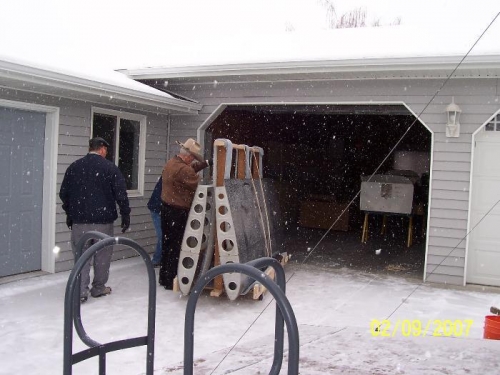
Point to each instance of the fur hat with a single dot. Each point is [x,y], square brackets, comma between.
[192,147]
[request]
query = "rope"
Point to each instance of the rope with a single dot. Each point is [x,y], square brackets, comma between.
[265,204]
[257,200]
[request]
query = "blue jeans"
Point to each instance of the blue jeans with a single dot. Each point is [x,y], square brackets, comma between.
[156,216]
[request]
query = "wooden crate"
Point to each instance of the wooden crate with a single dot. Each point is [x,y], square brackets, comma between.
[322,214]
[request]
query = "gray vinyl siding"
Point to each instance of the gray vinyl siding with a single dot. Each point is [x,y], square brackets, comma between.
[74,133]
[450,175]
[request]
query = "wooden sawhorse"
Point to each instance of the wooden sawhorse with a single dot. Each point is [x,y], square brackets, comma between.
[364,233]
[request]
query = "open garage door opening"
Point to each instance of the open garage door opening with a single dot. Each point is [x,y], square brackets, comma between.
[318,156]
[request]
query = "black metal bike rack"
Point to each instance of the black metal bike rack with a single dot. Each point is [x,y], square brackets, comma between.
[284,312]
[72,312]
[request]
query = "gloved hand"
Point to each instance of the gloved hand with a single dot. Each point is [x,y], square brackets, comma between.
[210,162]
[69,222]
[125,222]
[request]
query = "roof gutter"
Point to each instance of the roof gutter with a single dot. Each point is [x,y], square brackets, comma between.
[44,77]
[317,66]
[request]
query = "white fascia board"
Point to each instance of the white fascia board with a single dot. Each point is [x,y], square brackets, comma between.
[321,66]
[95,88]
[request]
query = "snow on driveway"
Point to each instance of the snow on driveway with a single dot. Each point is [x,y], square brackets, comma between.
[334,310]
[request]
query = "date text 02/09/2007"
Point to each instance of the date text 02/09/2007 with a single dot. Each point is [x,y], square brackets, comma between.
[418,328]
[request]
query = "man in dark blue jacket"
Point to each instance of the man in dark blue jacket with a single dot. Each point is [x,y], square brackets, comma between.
[91,188]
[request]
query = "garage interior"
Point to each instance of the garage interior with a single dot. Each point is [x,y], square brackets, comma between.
[316,155]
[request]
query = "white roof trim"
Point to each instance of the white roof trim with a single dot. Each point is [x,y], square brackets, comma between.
[314,66]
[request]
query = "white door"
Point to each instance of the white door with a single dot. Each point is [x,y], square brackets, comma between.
[483,259]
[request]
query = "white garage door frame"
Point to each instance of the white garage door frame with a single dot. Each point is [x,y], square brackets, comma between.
[201,139]
[49,177]
[471,193]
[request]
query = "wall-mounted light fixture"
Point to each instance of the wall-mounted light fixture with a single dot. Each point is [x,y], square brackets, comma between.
[453,124]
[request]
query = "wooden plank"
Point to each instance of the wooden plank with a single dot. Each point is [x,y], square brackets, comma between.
[255,162]
[241,161]
[221,151]
[259,289]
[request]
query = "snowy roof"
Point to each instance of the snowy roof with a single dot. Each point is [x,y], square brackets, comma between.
[393,48]
[70,70]
[87,81]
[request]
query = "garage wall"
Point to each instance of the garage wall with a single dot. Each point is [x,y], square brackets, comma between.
[451,167]
[74,133]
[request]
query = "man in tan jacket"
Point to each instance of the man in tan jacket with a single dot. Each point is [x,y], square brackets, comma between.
[180,180]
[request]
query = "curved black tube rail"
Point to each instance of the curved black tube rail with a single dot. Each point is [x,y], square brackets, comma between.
[284,312]
[72,313]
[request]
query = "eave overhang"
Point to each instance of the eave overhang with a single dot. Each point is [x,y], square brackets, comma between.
[369,68]
[44,81]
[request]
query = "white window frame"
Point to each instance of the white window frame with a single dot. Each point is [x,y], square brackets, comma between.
[495,121]
[142,142]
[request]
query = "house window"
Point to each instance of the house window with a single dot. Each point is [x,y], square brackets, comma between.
[125,133]
[493,125]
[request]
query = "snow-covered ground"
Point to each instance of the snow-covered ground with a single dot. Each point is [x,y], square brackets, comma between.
[334,309]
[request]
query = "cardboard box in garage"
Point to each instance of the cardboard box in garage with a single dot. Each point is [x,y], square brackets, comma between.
[322,214]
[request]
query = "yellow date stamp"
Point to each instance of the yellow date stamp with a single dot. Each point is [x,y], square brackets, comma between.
[419,328]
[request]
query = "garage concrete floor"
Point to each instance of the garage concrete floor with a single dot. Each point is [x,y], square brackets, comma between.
[338,249]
